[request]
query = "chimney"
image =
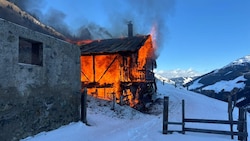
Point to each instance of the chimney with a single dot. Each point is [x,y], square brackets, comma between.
[130,29]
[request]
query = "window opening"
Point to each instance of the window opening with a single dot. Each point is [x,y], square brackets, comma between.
[30,52]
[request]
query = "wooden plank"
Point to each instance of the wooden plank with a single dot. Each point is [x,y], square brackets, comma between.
[211,121]
[215,131]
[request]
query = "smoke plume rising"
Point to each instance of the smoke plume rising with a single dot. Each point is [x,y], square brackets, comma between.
[115,14]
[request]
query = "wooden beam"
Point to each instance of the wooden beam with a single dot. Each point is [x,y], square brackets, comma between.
[93,60]
[85,75]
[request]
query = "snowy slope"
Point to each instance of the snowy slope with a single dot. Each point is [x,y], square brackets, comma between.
[182,81]
[126,124]
[232,78]
[164,79]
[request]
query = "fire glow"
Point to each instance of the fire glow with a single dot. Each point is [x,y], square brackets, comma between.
[120,68]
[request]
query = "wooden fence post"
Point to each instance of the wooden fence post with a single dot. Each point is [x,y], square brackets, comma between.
[241,125]
[165,115]
[230,114]
[183,116]
[84,106]
[245,125]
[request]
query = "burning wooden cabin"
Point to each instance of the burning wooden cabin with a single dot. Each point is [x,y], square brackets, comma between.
[120,68]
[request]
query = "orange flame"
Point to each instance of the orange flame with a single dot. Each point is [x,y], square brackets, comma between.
[114,73]
[79,42]
[82,42]
[102,70]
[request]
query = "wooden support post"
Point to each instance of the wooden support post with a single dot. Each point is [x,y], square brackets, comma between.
[114,101]
[165,115]
[84,106]
[183,116]
[121,98]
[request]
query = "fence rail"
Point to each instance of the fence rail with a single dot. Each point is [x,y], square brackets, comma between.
[215,131]
[241,123]
[212,121]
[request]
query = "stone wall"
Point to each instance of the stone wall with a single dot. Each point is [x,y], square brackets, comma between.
[35,98]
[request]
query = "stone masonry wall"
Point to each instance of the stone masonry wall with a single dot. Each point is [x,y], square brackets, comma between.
[35,98]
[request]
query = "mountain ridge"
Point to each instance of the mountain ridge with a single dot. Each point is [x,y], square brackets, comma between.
[231,79]
[11,12]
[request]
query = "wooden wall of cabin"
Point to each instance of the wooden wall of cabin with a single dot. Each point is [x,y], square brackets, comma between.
[101,75]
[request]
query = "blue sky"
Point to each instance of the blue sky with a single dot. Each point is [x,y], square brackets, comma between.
[194,35]
[206,34]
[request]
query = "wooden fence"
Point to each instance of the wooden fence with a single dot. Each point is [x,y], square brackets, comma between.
[241,123]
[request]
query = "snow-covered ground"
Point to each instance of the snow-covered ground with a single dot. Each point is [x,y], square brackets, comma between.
[227,86]
[126,124]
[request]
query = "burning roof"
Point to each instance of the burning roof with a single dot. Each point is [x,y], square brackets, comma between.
[111,46]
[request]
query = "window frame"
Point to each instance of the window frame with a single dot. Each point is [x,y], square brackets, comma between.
[30,52]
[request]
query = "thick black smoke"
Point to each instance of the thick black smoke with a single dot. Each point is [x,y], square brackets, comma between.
[52,17]
[144,14]
[55,19]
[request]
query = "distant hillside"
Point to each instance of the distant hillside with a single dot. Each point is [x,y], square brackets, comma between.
[13,13]
[232,79]
[164,80]
[182,81]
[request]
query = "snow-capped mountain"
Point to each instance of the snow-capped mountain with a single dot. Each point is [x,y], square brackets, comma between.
[232,79]
[177,82]
[164,79]
[181,81]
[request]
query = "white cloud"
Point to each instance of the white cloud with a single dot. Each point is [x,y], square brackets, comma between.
[178,73]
